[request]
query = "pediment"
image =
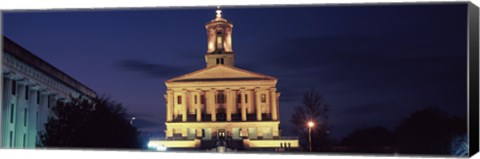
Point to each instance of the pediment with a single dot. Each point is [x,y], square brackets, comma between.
[220,73]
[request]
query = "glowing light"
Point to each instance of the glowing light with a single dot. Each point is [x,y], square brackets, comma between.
[161,148]
[310,124]
[155,147]
[151,145]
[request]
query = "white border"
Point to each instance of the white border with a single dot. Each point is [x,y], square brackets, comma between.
[22,5]
[90,4]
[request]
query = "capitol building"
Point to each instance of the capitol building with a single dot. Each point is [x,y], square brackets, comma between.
[222,106]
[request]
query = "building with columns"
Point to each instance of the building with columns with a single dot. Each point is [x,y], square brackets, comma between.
[30,88]
[222,104]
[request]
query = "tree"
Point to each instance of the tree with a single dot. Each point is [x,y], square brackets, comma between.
[313,108]
[428,131]
[89,123]
[369,139]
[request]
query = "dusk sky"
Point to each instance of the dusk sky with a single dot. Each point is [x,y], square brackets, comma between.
[374,65]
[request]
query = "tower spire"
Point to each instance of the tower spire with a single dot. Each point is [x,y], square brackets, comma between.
[219,12]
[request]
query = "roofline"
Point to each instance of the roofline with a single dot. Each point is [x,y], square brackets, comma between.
[172,80]
[33,60]
[222,83]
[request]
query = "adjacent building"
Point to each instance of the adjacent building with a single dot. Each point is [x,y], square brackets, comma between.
[222,106]
[31,87]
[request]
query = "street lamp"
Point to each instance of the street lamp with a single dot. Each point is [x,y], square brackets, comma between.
[131,120]
[310,125]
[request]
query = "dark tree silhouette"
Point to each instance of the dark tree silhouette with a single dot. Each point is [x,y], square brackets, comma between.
[369,140]
[314,109]
[428,131]
[94,123]
[370,136]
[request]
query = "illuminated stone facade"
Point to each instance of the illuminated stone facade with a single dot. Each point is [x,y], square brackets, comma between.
[222,101]
[31,87]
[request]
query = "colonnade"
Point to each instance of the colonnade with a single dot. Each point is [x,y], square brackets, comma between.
[233,101]
[25,110]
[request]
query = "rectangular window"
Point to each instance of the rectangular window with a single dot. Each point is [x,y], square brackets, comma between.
[221,61]
[12,110]
[263,98]
[38,97]
[195,99]
[202,99]
[14,87]
[26,92]
[220,98]
[49,98]
[11,139]
[25,115]
[179,99]
[246,98]
[218,61]
[239,98]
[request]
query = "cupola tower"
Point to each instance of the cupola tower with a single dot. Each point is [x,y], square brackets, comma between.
[219,34]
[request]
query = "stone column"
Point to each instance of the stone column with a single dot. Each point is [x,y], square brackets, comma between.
[20,114]
[273,103]
[191,106]
[211,104]
[185,107]
[32,122]
[229,104]
[41,111]
[244,105]
[4,112]
[197,106]
[258,107]
[250,101]
[170,101]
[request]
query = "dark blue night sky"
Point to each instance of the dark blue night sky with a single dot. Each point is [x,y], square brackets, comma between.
[373,64]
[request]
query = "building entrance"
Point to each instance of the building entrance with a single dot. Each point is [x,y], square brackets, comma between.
[221,134]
